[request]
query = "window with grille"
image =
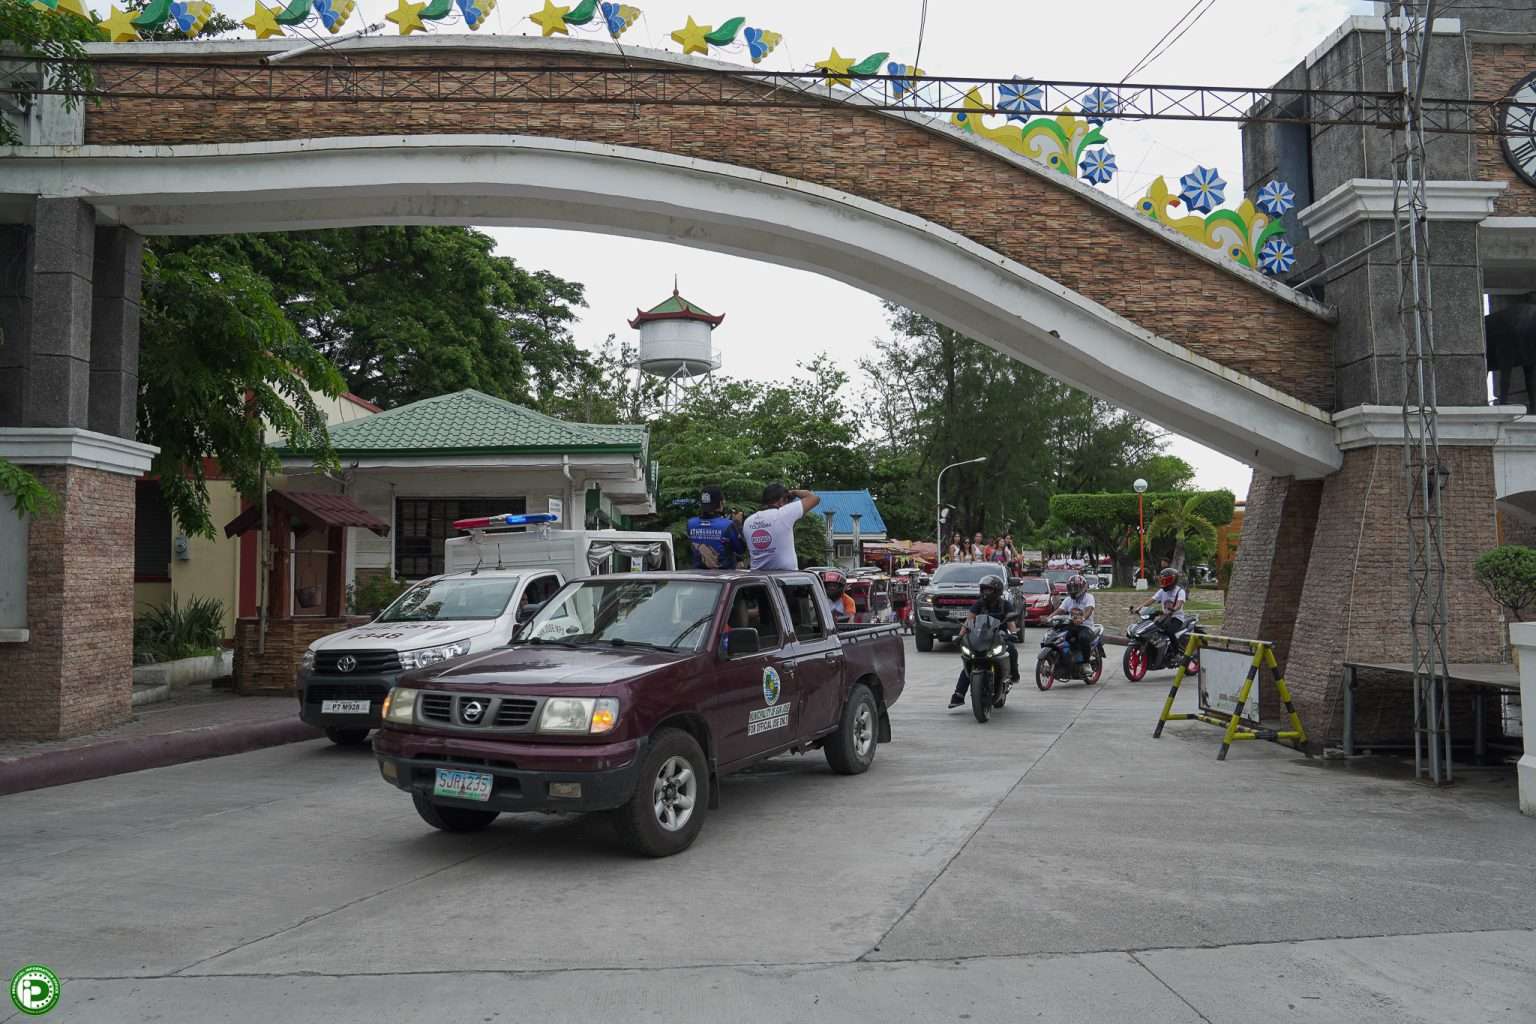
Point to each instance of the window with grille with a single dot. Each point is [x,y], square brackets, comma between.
[422,524]
[151,534]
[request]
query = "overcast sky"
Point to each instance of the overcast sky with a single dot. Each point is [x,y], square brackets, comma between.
[776,317]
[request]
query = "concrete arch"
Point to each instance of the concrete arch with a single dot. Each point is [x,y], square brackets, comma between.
[547,182]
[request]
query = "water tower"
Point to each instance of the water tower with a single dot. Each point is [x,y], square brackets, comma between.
[676,344]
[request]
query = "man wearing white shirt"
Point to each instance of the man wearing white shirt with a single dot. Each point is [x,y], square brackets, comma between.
[770,531]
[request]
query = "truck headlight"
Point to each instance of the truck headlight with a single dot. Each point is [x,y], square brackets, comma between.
[308,661]
[400,706]
[926,600]
[424,656]
[579,715]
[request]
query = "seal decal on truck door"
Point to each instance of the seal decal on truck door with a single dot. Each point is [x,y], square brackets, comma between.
[770,685]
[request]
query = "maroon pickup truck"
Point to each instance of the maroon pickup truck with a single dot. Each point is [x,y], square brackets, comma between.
[633,694]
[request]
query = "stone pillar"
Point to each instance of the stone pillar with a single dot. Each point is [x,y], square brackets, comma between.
[1356,596]
[55,389]
[74,672]
[114,386]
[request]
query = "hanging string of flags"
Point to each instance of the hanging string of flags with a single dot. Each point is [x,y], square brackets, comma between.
[1074,145]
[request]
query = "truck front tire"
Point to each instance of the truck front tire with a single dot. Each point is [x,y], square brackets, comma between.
[924,640]
[347,737]
[667,809]
[851,750]
[451,819]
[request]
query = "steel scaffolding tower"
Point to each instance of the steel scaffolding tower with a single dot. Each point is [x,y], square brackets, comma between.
[1424,476]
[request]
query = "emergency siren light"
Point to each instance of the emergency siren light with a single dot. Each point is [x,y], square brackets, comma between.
[490,522]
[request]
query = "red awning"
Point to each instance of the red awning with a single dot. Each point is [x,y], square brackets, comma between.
[314,507]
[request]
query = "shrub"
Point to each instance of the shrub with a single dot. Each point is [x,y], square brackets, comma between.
[374,593]
[1508,573]
[174,631]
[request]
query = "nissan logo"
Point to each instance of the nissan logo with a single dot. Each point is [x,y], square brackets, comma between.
[471,710]
[346,663]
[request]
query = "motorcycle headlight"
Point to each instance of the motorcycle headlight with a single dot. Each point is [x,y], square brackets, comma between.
[400,705]
[424,656]
[997,650]
[308,661]
[965,650]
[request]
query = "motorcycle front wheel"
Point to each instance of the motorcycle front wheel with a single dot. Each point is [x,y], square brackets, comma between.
[1095,668]
[981,694]
[1134,663]
[1045,670]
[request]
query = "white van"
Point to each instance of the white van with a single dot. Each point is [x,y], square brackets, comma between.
[495,580]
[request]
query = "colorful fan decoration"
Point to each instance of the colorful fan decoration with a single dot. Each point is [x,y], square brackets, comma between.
[618,17]
[1099,104]
[330,15]
[1202,189]
[696,38]
[1098,166]
[760,43]
[903,78]
[1061,143]
[1249,234]
[1021,100]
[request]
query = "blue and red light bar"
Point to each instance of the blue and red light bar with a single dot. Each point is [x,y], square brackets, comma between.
[491,522]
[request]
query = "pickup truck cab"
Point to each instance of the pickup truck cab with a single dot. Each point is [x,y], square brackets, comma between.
[495,581]
[634,694]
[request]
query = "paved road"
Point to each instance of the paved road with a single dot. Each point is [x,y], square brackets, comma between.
[1055,864]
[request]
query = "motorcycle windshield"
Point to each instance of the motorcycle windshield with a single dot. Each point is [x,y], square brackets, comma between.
[985,633]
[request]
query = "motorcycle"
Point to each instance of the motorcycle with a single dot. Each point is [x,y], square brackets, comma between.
[1147,648]
[984,651]
[1059,658]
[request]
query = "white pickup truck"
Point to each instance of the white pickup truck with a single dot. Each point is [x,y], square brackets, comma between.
[495,580]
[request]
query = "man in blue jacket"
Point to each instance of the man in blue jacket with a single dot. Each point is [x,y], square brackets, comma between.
[714,536]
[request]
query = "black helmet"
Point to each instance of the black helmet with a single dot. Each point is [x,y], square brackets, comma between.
[991,585]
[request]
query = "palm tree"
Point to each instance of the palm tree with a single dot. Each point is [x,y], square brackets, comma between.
[1180,518]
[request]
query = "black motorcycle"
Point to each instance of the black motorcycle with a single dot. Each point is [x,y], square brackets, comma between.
[1147,648]
[984,650]
[1059,658]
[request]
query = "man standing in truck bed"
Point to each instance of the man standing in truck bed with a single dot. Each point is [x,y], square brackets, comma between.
[715,537]
[770,532]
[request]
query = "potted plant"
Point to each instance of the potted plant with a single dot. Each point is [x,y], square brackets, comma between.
[1508,573]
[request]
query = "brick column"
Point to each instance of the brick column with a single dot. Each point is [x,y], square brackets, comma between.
[1356,596]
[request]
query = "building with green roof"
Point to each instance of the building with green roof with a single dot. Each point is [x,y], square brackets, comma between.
[423,465]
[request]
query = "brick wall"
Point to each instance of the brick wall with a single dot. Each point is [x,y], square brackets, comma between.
[1356,594]
[75,675]
[1516,526]
[1134,272]
[1496,69]
[276,669]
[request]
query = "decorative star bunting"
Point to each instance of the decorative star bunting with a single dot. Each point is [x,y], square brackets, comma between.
[1098,166]
[1277,256]
[692,37]
[408,16]
[1202,189]
[263,21]
[836,66]
[1276,199]
[551,19]
[1022,99]
[75,7]
[119,26]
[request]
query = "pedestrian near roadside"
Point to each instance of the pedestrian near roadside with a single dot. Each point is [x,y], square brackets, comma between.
[770,531]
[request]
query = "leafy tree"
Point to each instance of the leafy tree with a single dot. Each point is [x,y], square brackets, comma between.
[219,364]
[1180,519]
[37,31]
[27,493]
[1108,521]
[1165,473]
[1508,573]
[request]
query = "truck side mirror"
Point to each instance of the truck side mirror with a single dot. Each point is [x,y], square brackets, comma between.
[741,641]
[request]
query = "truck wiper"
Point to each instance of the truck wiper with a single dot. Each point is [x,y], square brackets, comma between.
[619,641]
[556,641]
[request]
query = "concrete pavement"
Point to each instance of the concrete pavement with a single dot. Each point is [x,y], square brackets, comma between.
[1056,863]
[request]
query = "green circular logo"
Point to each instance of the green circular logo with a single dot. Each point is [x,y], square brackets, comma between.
[35,989]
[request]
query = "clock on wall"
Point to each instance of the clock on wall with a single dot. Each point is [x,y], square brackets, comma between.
[1517,134]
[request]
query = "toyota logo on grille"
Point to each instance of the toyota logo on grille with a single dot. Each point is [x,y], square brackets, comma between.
[471,710]
[346,663]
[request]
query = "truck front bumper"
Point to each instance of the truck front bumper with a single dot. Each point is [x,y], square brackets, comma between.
[522,774]
[945,628]
[314,690]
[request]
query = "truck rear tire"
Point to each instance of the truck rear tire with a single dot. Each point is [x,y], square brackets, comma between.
[851,750]
[924,641]
[347,737]
[667,809]
[452,819]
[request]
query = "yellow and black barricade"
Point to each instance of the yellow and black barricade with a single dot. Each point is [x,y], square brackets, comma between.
[1228,710]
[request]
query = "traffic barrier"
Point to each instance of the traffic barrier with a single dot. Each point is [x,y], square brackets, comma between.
[1226,678]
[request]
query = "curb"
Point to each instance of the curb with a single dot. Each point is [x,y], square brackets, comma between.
[117,757]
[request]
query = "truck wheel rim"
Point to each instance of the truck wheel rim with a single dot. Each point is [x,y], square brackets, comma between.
[863,731]
[674,792]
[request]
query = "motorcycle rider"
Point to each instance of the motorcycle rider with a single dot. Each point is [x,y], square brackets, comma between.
[1079,604]
[836,585]
[992,602]
[715,538]
[1170,596]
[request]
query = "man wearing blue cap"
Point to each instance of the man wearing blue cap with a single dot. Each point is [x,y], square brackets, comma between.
[715,537]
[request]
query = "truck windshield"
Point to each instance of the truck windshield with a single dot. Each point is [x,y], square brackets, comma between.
[954,573]
[670,614]
[456,597]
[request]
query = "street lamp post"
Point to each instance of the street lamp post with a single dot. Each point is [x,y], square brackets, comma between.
[1141,522]
[938,507]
